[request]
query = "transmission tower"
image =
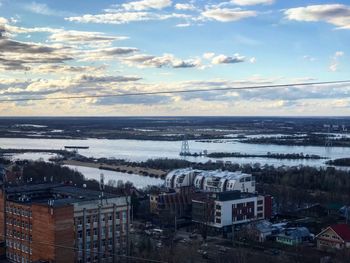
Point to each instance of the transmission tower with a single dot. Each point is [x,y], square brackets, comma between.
[344,131]
[328,140]
[185,148]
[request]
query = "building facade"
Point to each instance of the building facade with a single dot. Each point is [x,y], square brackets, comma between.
[293,236]
[210,181]
[222,210]
[334,237]
[177,202]
[60,223]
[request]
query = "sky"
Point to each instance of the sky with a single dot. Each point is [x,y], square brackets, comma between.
[55,48]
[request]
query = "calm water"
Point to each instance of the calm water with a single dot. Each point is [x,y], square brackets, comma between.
[138,180]
[138,150]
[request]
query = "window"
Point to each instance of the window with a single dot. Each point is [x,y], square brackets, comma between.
[260,208]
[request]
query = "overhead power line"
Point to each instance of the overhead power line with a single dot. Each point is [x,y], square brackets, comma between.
[93,252]
[175,91]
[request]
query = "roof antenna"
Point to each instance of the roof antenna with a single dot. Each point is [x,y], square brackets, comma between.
[102,185]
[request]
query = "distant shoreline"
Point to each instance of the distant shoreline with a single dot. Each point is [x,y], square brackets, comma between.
[144,171]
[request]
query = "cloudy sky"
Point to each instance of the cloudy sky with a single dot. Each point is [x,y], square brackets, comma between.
[54,48]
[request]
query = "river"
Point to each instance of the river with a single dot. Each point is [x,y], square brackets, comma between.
[137,180]
[140,150]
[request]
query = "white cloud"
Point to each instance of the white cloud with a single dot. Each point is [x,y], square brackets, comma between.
[223,59]
[39,8]
[186,7]
[335,14]
[166,60]
[339,54]
[66,69]
[279,100]
[16,55]
[252,2]
[105,54]
[44,9]
[123,17]
[83,37]
[208,55]
[252,60]
[334,66]
[147,4]
[309,58]
[183,25]
[227,14]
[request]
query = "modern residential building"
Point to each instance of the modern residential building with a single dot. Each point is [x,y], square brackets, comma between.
[334,237]
[211,181]
[172,202]
[222,210]
[62,223]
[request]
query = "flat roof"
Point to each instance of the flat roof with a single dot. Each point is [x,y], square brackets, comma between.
[60,194]
[209,173]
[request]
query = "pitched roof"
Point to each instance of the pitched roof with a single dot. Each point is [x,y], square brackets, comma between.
[343,230]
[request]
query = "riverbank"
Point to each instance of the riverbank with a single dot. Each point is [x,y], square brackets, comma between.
[280,156]
[144,171]
[305,140]
[339,162]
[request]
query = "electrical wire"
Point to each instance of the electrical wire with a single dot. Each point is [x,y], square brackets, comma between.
[174,91]
[89,251]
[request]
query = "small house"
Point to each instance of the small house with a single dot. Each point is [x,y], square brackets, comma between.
[334,237]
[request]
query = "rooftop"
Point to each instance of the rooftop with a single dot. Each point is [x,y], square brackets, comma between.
[216,173]
[57,194]
[343,230]
[298,232]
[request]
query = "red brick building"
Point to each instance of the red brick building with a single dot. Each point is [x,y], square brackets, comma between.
[60,223]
